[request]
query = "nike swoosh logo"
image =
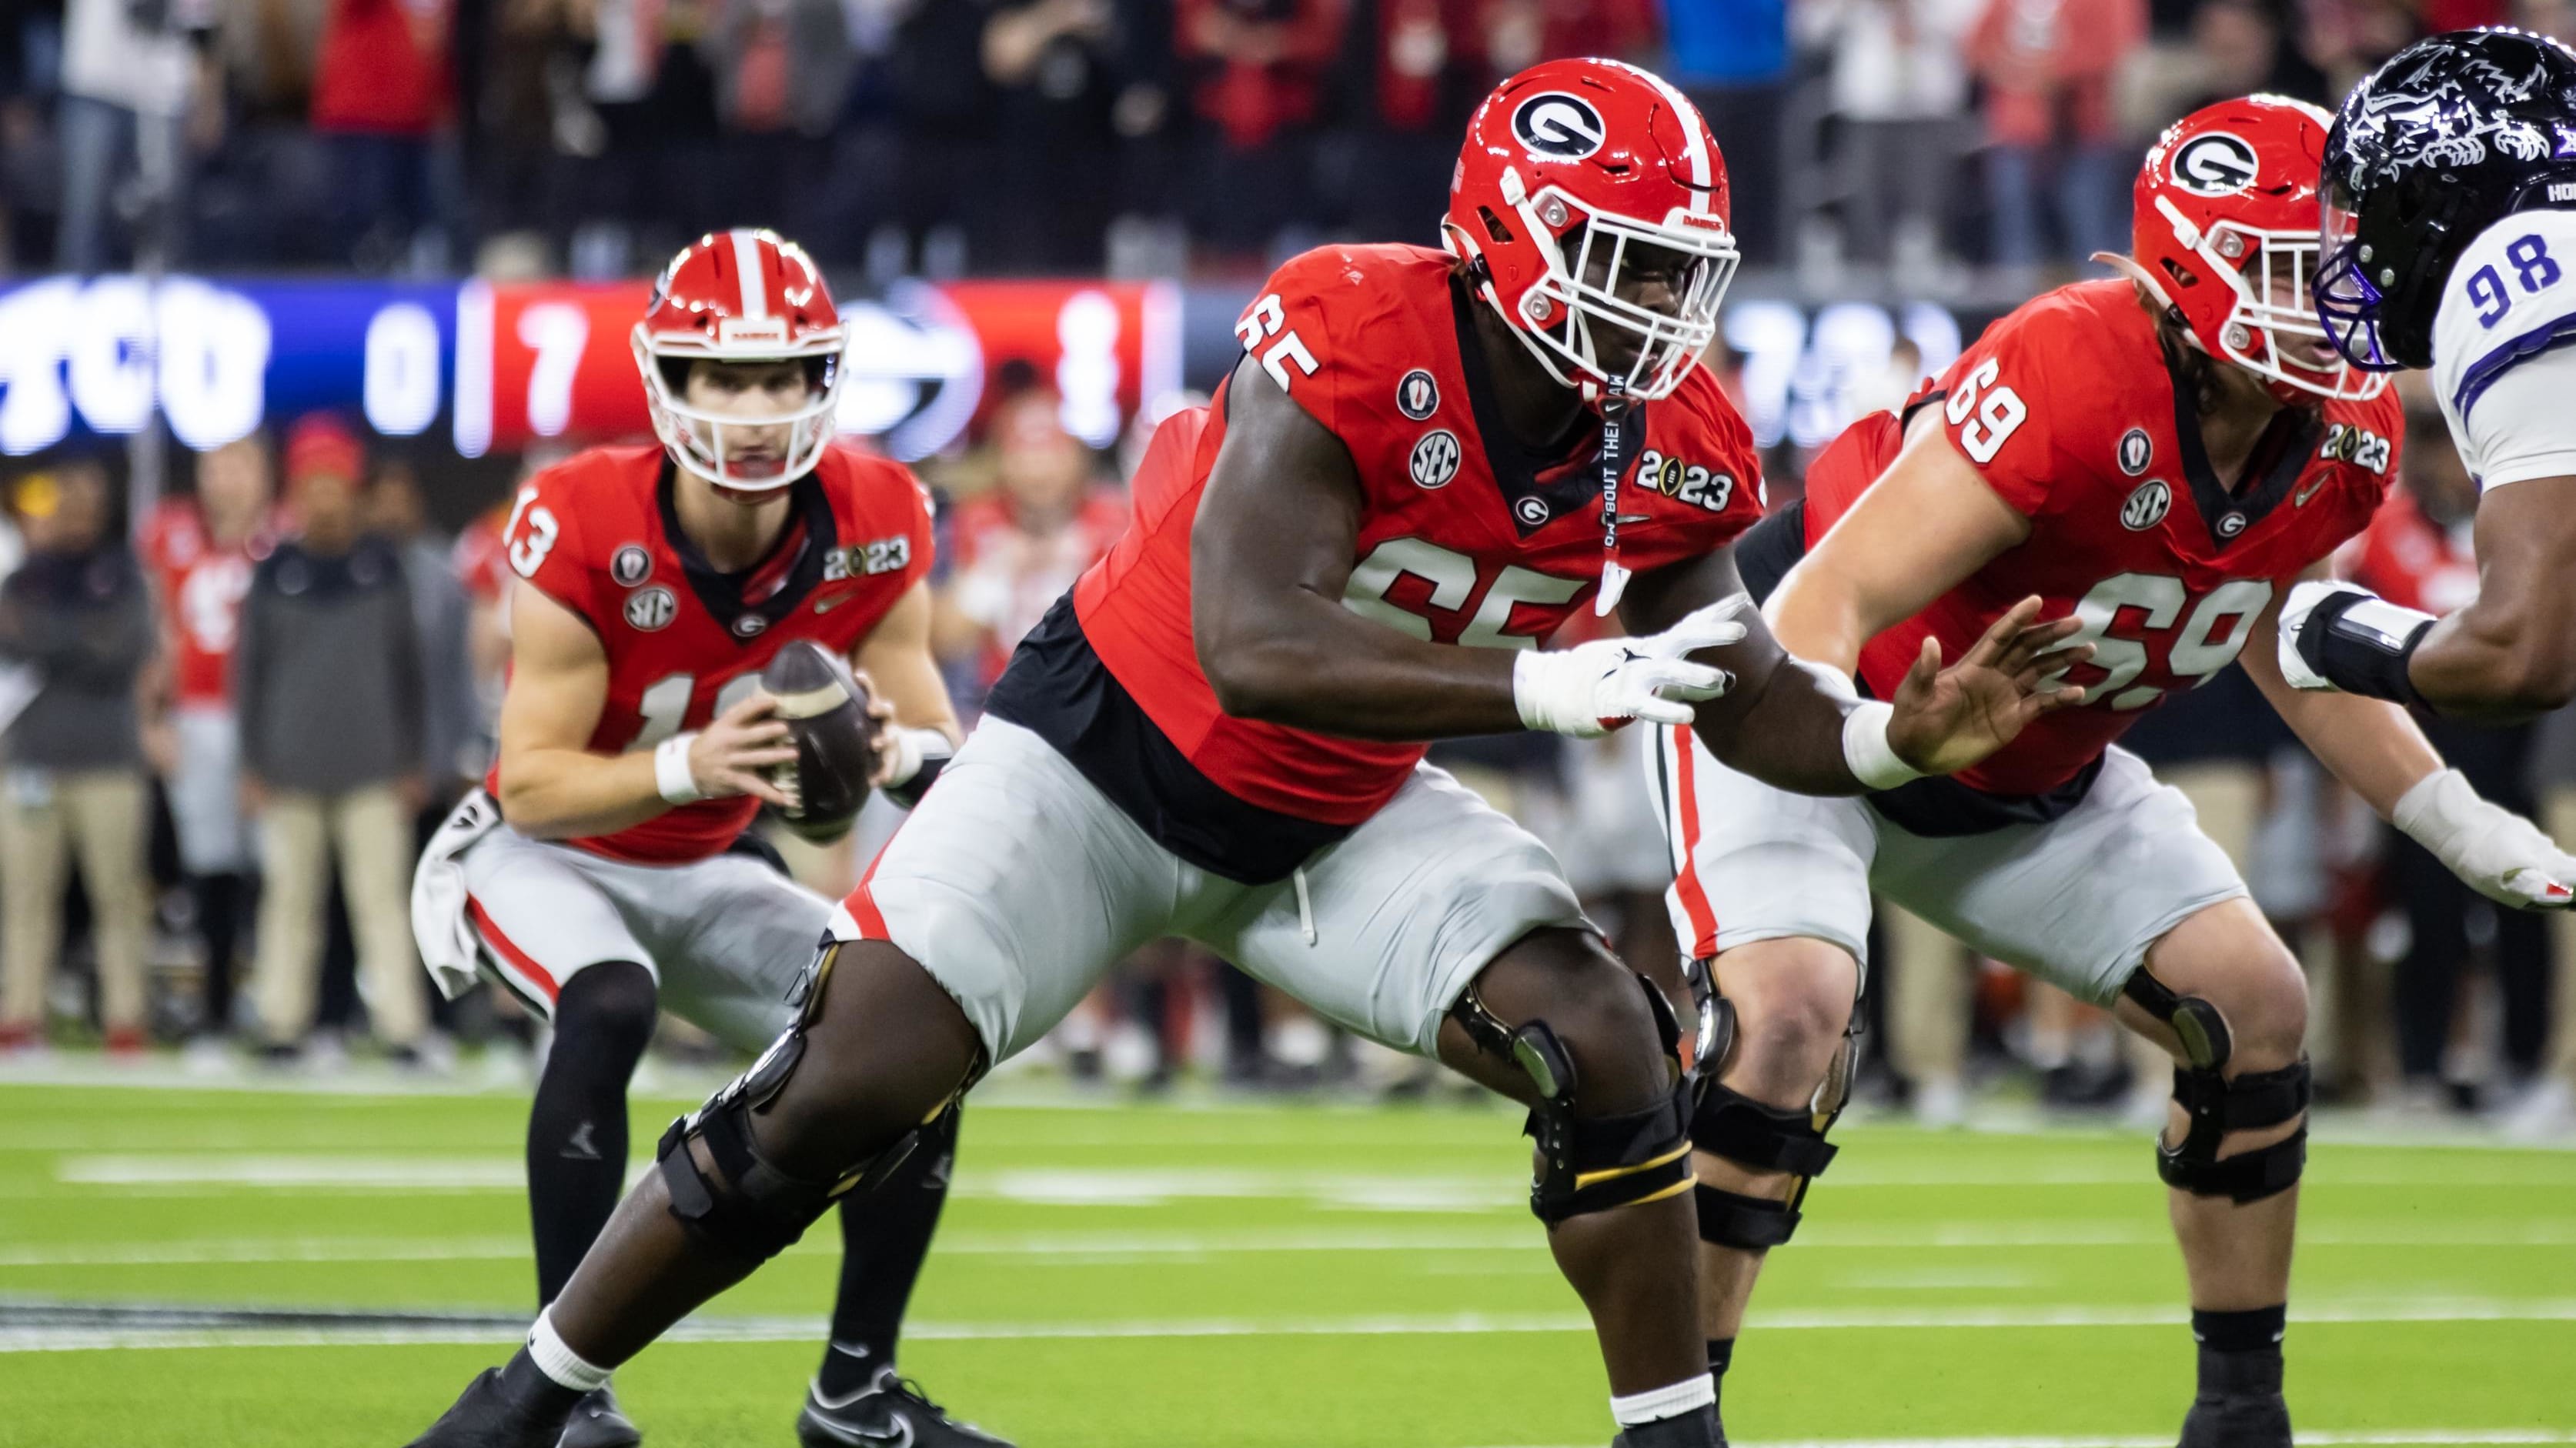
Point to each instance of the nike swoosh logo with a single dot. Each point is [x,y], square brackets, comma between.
[2300,500]
[826,605]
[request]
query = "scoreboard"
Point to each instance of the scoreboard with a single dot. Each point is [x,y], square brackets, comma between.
[500,366]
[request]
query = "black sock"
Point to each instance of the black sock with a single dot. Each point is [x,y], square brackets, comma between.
[577,1126]
[884,1235]
[219,913]
[2255,1330]
[1721,1356]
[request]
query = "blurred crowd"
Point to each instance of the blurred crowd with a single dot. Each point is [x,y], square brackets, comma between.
[1920,140]
[239,724]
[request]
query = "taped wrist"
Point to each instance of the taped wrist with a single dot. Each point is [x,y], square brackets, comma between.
[1872,760]
[1542,680]
[925,752]
[673,779]
[2361,643]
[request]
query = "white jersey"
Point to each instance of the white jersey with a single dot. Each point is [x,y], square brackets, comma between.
[2504,350]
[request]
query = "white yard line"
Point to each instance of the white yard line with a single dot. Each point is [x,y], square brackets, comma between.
[2370,1438]
[143,1334]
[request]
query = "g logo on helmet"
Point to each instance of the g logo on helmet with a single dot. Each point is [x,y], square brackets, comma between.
[2217,164]
[1558,126]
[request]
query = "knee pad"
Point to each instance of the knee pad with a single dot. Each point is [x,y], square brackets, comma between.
[1591,1164]
[1761,1138]
[748,1207]
[2218,1106]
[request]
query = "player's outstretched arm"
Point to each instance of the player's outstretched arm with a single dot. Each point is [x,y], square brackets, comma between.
[2375,747]
[1270,553]
[1801,726]
[553,787]
[2511,653]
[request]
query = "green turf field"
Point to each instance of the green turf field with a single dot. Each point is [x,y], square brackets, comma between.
[1223,1276]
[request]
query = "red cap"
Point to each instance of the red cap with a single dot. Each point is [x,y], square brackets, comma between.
[320,443]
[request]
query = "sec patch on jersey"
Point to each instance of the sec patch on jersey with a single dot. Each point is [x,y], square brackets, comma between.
[825,710]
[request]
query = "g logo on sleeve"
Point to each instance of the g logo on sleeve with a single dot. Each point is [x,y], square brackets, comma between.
[1558,126]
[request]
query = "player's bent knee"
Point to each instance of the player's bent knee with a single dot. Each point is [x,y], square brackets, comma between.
[751,1198]
[1590,1159]
[2220,1096]
[614,1003]
[1765,1139]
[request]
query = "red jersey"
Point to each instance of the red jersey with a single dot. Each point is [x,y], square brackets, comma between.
[596,533]
[2070,412]
[1463,536]
[2414,562]
[1013,577]
[201,588]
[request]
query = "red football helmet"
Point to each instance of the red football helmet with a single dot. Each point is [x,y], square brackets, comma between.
[2225,233]
[1581,180]
[741,296]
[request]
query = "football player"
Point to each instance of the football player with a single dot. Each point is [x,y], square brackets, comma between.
[2450,221]
[1423,463]
[603,873]
[2164,454]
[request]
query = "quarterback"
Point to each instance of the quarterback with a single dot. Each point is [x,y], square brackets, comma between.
[602,874]
[1424,462]
[2162,455]
[2450,217]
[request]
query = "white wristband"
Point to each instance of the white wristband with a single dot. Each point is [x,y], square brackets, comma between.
[1872,760]
[672,776]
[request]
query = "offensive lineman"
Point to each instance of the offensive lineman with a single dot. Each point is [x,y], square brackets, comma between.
[2450,223]
[2163,454]
[602,873]
[1404,485]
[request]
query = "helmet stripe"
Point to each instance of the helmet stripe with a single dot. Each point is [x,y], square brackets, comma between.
[1694,149]
[755,288]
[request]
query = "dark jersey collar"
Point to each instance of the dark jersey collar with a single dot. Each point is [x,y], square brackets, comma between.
[1538,485]
[2279,456]
[722,592]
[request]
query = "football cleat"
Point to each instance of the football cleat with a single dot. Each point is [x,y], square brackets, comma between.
[890,1413]
[485,1417]
[2240,1405]
[597,1422]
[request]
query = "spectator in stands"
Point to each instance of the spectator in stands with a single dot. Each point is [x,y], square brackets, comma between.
[2049,67]
[782,71]
[328,678]
[1020,546]
[131,79]
[2417,551]
[398,513]
[201,551]
[1074,80]
[75,636]
[1261,69]
[383,98]
[1900,88]
[1732,58]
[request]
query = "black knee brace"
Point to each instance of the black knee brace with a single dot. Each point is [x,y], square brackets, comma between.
[1590,1164]
[1753,1135]
[747,1207]
[2217,1106]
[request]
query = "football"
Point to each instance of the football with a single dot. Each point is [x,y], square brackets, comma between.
[825,709]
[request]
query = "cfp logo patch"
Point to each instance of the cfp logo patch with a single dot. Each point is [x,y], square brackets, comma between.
[1685,482]
[651,609]
[1435,459]
[1558,126]
[2147,506]
[1418,395]
[630,565]
[2346,443]
[867,560]
[2136,451]
[2217,164]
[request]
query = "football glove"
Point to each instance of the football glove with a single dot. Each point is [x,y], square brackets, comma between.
[2499,853]
[1590,689]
